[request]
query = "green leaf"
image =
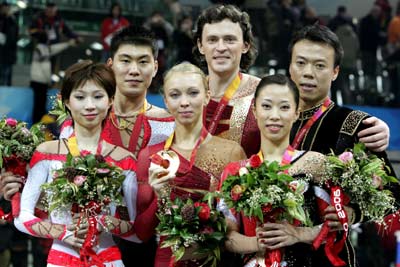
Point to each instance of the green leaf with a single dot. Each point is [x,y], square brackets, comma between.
[179,253]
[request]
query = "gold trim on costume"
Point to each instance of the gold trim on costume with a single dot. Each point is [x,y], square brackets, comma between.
[352,122]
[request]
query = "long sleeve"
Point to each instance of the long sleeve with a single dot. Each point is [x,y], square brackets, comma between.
[27,222]
[146,220]
[125,229]
[58,48]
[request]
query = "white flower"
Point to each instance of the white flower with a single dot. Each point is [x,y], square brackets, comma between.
[243,171]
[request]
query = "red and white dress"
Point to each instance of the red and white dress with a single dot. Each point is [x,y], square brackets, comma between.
[62,254]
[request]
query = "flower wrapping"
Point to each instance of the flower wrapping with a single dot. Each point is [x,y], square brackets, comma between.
[186,223]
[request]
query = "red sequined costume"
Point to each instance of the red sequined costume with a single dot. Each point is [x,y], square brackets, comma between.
[212,157]
[237,122]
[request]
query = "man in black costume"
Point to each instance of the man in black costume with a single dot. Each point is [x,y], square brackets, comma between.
[316,54]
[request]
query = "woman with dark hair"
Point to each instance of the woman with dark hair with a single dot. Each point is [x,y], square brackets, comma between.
[276,109]
[87,93]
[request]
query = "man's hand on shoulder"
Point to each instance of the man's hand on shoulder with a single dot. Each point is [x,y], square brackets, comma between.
[376,136]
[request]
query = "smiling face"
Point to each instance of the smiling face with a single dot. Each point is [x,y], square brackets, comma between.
[88,105]
[222,45]
[185,97]
[275,112]
[312,69]
[134,67]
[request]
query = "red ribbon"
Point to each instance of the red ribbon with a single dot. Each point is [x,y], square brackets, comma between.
[17,166]
[332,248]
[172,262]
[273,258]
[88,255]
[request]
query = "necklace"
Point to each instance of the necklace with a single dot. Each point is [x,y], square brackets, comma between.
[121,122]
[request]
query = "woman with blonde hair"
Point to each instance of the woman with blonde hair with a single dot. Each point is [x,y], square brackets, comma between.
[202,157]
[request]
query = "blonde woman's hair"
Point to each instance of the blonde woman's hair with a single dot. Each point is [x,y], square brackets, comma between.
[186,67]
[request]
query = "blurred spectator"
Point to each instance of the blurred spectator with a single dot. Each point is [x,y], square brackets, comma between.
[114,22]
[6,232]
[341,18]
[394,28]
[176,11]
[386,15]
[299,8]
[393,58]
[8,43]
[238,3]
[183,39]
[349,40]
[370,39]
[41,71]
[280,22]
[162,30]
[50,22]
[309,17]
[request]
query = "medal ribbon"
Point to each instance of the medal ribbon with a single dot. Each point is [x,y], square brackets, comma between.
[203,135]
[304,130]
[229,92]
[286,159]
[74,149]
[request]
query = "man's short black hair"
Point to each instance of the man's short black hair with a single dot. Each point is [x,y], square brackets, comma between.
[319,34]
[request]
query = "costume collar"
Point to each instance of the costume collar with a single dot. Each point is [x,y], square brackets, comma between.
[308,113]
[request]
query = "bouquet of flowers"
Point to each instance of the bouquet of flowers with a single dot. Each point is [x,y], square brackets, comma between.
[359,176]
[184,223]
[363,176]
[262,188]
[17,144]
[86,184]
[263,191]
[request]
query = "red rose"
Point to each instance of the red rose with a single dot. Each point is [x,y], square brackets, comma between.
[255,161]
[232,168]
[266,208]
[204,212]
[84,153]
[11,122]
[236,192]
[106,200]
